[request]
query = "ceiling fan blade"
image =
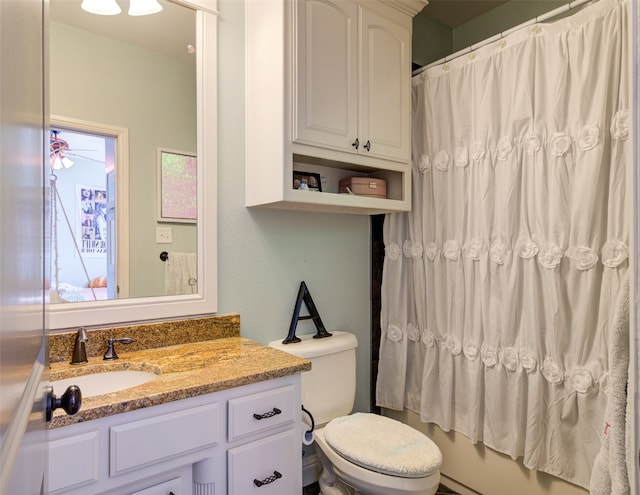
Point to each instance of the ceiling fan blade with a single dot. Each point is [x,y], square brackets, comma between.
[70,153]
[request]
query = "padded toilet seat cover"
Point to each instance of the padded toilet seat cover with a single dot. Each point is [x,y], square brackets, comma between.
[383,444]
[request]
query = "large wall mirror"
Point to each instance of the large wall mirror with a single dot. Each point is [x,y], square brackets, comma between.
[133,104]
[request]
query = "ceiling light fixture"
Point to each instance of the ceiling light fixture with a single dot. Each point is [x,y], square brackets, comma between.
[144,7]
[60,163]
[57,147]
[111,7]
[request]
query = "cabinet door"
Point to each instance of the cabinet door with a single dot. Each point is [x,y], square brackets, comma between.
[325,101]
[385,87]
[270,466]
[74,461]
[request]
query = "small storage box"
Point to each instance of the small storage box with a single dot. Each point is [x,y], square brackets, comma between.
[364,186]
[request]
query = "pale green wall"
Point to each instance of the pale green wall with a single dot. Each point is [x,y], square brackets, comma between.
[99,80]
[500,19]
[264,254]
[431,40]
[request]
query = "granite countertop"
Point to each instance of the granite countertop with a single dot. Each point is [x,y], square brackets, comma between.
[184,370]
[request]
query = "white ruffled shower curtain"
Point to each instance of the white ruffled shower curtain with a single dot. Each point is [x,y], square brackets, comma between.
[499,285]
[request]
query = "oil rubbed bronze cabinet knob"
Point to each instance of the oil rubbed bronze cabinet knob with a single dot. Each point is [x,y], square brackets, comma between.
[70,401]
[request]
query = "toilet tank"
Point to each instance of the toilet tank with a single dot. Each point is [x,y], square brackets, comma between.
[329,388]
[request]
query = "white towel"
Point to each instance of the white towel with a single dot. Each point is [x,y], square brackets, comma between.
[609,475]
[180,274]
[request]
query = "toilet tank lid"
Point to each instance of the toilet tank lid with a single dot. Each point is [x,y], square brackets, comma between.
[309,347]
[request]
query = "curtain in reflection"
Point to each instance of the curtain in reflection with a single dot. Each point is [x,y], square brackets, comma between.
[499,285]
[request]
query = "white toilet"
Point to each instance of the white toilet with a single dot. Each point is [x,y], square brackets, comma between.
[361,453]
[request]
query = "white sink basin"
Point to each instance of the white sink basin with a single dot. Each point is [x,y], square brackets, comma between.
[103,383]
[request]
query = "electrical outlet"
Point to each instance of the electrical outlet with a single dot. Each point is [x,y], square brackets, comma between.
[163,235]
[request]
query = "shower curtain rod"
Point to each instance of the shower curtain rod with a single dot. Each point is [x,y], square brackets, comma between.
[541,18]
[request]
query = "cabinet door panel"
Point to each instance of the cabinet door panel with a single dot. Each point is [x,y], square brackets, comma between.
[151,440]
[326,98]
[74,462]
[266,467]
[385,96]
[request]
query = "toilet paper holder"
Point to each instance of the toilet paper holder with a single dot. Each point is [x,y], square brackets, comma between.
[308,435]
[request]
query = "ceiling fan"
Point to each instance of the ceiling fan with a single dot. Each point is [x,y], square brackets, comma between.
[59,152]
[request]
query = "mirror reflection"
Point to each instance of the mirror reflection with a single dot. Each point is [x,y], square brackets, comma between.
[122,148]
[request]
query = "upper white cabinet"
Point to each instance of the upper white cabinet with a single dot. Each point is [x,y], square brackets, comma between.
[353,79]
[329,93]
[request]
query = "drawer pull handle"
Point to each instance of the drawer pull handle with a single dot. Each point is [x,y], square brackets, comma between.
[266,481]
[274,412]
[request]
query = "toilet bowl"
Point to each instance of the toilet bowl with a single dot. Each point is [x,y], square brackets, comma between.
[360,453]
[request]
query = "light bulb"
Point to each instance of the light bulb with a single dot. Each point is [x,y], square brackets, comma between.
[66,162]
[57,163]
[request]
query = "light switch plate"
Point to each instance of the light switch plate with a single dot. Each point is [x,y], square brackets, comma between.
[164,235]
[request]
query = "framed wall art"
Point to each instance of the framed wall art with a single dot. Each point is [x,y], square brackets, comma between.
[177,181]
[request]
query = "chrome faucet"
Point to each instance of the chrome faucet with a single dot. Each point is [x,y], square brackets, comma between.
[111,352]
[79,348]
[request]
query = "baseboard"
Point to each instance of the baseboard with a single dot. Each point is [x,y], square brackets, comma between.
[309,469]
[310,476]
[458,487]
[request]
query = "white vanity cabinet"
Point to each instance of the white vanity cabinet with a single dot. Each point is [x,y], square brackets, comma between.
[328,91]
[188,446]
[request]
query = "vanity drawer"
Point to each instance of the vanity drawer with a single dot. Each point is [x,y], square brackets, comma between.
[258,412]
[141,443]
[265,467]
